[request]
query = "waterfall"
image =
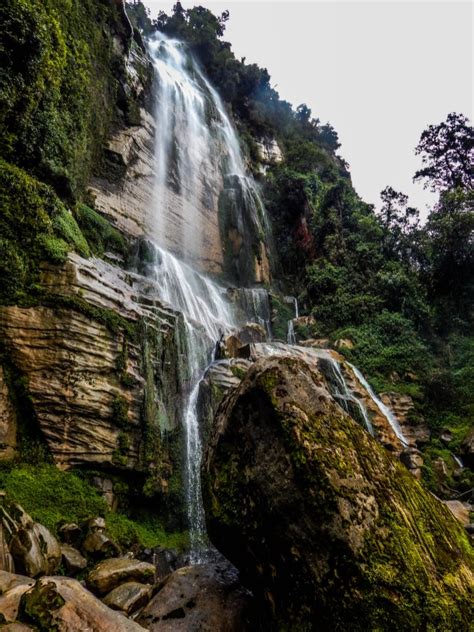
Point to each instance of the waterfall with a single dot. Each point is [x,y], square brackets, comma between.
[197,157]
[385,410]
[344,395]
[255,305]
[291,337]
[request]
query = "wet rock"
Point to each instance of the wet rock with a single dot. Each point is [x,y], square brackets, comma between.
[70,533]
[413,425]
[33,547]
[412,459]
[129,597]
[467,449]
[114,571]
[203,597]
[6,559]
[165,560]
[321,520]
[12,588]
[73,561]
[97,543]
[459,510]
[446,436]
[106,489]
[61,603]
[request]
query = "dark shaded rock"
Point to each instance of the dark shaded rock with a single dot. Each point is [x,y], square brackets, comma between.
[323,523]
[114,571]
[70,533]
[62,604]
[129,597]
[467,449]
[412,459]
[207,597]
[73,561]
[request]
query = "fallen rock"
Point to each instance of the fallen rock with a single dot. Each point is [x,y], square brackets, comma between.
[327,527]
[33,547]
[73,561]
[129,597]
[12,588]
[70,533]
[114,571]
[98,545]
[62,604]
[204,597]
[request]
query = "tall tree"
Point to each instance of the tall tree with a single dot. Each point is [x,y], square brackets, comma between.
[447,152]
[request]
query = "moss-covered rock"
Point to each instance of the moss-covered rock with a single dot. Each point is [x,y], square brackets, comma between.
[322,522]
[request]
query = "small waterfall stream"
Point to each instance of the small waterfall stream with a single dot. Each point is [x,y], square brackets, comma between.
[291,337]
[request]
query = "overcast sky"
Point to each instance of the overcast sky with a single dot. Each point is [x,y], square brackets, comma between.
[378,71]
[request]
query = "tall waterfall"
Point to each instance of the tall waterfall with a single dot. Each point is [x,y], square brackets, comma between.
[290,336]
[197,156]
[198,159]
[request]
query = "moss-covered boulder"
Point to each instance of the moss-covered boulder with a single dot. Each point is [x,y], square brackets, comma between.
[323,523]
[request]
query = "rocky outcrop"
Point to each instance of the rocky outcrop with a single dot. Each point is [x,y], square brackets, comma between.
[88,357]
[414,427]
[202,597]
[323,523]
[467,449]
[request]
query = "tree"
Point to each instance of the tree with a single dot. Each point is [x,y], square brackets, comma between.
[447,152]
[400,223]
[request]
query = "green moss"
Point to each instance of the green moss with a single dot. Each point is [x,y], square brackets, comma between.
[50,495]
[120,411]
[100,234]
[65,225]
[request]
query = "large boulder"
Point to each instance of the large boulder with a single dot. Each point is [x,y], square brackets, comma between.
[12,588]
[62,604]
[206,597]
[117,570]
[323,523]
[34,548]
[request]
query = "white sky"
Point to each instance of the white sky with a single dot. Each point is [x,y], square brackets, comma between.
[378,71]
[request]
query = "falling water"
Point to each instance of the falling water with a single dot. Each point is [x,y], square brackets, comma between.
[197,155]
[290,336]
[385,410]
[255,305]
[345,396]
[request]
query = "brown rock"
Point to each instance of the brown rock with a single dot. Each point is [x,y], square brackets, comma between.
[16,627]
[33,547]
[114,571]
[204,597]
[6,559]
[62,604]
[8,424]
[99,545]
[73,561]
[413,460]
[128,597]
[12,588]
[459,510]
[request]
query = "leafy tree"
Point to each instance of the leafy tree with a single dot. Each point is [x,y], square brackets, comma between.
[447,152]
[400,222]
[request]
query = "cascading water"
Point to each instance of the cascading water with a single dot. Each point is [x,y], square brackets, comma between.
[385,410]
[290,336]
[255,304]
[345,396]
[197,155]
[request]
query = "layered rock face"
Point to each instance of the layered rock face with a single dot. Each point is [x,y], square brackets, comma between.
[99,364]
[323,523]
